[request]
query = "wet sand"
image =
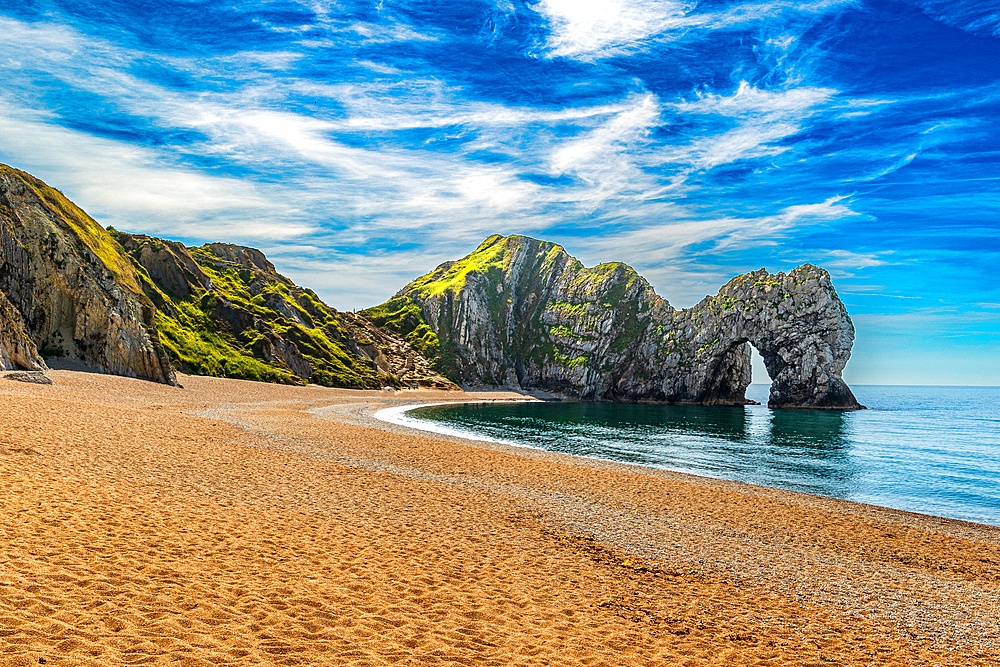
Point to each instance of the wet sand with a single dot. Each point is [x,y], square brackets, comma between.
[237,523]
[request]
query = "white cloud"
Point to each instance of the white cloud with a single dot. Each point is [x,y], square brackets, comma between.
[132,188]
[749,101]
[606,158]
[970,15]
[761,119]
[846,259]
[671,253]
[308,187]
[588,27]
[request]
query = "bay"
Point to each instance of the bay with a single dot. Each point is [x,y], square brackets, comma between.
[934,450]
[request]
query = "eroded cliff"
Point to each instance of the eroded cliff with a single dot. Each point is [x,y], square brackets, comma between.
[135,305]
[522,312]
[68,289]
[224,310]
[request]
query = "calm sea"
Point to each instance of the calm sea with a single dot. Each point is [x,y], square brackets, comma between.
[934,450]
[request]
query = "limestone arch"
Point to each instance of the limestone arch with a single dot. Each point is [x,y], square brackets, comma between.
[801,330]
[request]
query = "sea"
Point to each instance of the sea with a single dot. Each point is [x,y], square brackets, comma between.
[933,450]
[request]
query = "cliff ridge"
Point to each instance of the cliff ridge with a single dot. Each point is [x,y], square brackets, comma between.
[519,312]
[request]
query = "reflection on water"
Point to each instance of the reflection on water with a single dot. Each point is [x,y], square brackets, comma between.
[801,451]
[817,428]
[926,449]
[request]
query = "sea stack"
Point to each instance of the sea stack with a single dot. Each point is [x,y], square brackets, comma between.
[519,312]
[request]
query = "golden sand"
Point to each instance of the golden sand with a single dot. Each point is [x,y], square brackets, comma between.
[235,523]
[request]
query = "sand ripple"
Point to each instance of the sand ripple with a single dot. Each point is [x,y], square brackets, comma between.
[136,530]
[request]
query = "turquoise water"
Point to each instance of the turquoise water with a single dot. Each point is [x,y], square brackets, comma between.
[934,450]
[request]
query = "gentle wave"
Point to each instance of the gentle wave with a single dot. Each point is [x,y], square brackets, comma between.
[397,415]
[934,450]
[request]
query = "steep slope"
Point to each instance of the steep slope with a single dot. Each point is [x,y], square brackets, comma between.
[17,350]
[224,310]
[68,290]
[522,312]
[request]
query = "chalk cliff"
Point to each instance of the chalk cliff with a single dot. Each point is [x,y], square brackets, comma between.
[135,305]
[17,350]
[516,312]
[522,312]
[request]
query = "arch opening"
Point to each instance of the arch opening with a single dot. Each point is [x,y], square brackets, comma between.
[758,371]
[738,376]
[759,389]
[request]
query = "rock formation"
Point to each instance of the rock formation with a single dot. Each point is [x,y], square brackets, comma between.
[224,310]
[67,289]
[516,312]
[31,377]
[521,312]
[135,305]
[17,350]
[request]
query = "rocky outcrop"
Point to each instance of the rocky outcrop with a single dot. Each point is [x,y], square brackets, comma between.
[31,377]
[224,310]
[522,313]
[17,350]
[516,312]
[76,294]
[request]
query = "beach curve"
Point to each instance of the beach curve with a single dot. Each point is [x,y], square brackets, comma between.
[226,524]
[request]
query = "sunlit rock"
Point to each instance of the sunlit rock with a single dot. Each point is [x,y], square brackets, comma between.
[68,287]
[519,312]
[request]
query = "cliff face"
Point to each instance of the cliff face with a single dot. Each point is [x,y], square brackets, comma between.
[516,312]
[67,289]
[224,310]
[130,305]
[521,312]
[17,350]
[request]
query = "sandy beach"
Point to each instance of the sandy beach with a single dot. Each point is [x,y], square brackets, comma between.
[239,523]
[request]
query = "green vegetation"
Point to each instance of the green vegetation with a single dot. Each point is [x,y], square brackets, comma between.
[403,316]
[514,301]
[487,259]
[236,320]
[567,309]
[207,352]
[571,362]
[84,228]
[565,332]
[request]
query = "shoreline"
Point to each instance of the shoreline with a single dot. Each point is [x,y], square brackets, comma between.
[442,431]
[285,524]
[396,415]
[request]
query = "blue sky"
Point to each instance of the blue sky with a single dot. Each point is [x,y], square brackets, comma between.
[359,144]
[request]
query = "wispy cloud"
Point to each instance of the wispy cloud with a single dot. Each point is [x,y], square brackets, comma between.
[970,15]
[671,253]
[362,143]
[590,29]
[130,187]
[607,27]
[846,259]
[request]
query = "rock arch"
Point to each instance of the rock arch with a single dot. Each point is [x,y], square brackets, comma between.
[798,325]
[519,312]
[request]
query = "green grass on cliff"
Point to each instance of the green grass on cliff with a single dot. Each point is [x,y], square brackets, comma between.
[403,313]
[487,257]
[74,220]
[199,343]
[607,286]
[403,316]
[206,352]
